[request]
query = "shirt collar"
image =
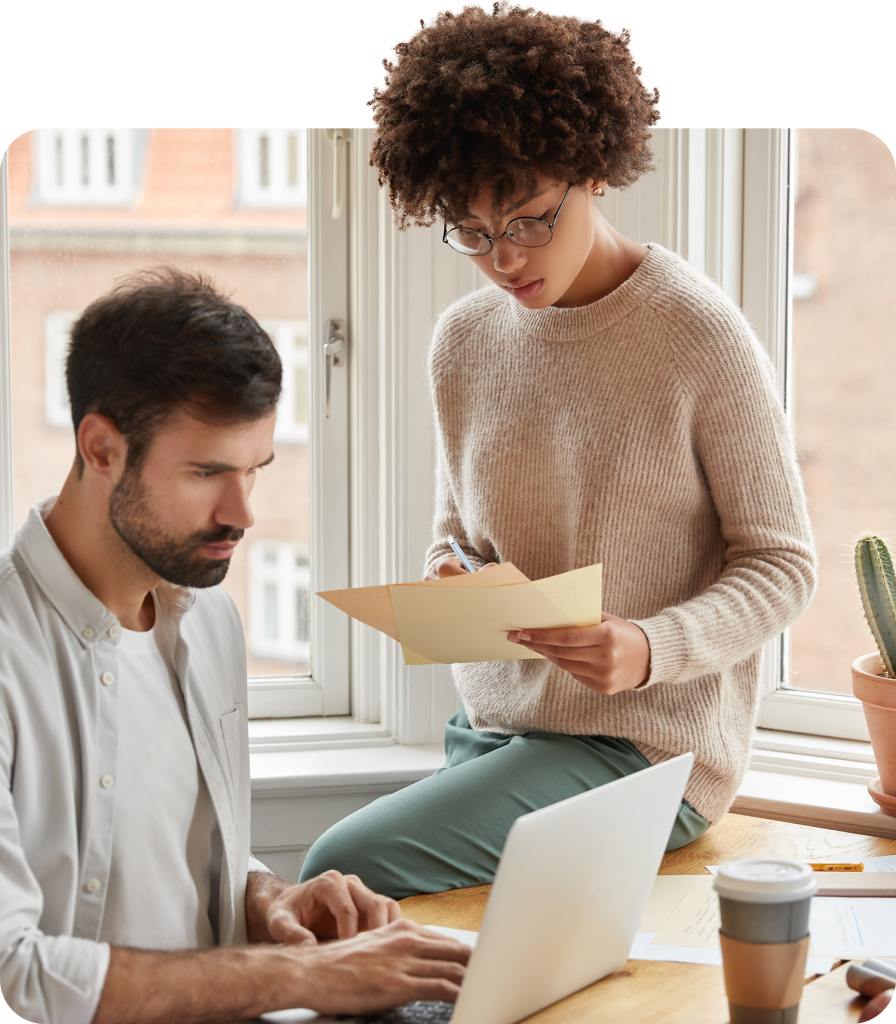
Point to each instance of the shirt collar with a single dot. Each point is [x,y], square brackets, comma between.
[84,614]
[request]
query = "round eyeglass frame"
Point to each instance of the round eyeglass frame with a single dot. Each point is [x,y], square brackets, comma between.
[446,234]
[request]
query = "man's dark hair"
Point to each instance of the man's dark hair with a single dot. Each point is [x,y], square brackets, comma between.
[487,100]
[163,339]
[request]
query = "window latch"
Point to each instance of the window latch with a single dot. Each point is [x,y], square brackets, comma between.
[334,351]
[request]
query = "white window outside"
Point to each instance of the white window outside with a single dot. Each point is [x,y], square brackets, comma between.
[291,340]
[278,600]
[86,166]
[56,336]
[273,167]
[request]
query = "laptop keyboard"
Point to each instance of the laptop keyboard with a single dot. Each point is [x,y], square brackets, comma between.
[412,1013]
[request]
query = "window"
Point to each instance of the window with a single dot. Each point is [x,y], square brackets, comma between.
[272,164]
[291,339]
[278,601]
[815,255]
[353,497]
[57,410]
[85,166]
[844,342]
[186,213]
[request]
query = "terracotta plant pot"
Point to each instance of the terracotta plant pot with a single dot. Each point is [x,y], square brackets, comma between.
[878,696]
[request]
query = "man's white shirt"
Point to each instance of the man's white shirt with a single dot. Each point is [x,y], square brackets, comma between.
[84,783]
[158,777]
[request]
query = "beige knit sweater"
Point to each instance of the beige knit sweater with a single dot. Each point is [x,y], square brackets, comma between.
[642,431]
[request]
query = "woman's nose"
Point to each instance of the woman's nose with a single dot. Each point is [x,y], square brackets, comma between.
[508,256]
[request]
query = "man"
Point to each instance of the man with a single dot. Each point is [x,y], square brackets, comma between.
[127,891]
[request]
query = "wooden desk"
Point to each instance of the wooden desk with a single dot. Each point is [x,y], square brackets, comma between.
[644,991]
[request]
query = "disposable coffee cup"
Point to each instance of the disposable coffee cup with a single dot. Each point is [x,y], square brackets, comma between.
[764,904]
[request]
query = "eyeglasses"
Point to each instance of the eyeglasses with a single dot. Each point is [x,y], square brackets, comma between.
[528,231]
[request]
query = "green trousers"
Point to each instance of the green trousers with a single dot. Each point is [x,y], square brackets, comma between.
[447,831]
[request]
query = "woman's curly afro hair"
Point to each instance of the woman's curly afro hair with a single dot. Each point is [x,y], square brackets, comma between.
[478,99]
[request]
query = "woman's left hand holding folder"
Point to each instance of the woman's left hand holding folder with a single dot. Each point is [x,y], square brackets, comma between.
[608,657]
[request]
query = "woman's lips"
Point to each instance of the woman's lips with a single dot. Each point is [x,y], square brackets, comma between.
[525,291]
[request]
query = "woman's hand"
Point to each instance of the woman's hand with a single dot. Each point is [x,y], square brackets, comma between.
[609,657]
[452,567]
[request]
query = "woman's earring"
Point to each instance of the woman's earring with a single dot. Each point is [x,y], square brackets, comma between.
[598,191]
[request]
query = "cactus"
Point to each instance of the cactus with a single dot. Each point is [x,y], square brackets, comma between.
[877,587]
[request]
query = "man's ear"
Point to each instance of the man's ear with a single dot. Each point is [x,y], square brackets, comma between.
[102,446]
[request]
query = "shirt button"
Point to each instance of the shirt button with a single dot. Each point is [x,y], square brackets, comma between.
[107,679]
[114,630]
[87,633]
[107,781]
[93,885]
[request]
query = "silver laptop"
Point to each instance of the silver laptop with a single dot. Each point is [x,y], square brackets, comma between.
[564,908]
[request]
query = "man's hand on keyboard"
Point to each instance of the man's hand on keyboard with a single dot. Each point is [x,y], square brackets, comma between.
[396,964]
[330,906]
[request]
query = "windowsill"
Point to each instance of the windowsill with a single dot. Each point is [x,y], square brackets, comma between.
[809,780]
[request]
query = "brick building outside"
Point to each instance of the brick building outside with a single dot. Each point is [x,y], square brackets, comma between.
[89,206]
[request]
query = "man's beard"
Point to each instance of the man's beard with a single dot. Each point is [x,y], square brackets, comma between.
[174,559]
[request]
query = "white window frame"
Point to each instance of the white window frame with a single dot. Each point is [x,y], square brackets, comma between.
[326,691]
[768,232]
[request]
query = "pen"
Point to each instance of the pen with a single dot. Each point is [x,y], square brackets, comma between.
[464,561]
[837,867]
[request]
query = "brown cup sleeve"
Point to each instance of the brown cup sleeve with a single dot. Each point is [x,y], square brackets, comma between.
[764,976]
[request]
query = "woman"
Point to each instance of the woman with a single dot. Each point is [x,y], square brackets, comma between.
[605,403]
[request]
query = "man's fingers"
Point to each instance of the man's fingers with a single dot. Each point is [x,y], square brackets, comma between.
[285,928]
[331,890]
[378,910]
[439,949]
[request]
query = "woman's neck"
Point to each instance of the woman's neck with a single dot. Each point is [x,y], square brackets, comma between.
[613,259]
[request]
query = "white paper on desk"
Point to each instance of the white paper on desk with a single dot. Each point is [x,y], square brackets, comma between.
[665,895]
[683,910]
[880,863]
[852,928]
[644,948]
[461,934]
[694,922]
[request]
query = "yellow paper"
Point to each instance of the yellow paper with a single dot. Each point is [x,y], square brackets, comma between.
[465,618]
[450,625]
[373,605]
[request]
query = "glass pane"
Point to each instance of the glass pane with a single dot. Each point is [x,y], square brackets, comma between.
[87,206]
[844,355]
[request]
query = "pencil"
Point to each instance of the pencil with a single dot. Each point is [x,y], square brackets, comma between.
[837,867]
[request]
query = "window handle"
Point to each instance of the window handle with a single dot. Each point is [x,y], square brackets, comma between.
[334,351]
[339,137]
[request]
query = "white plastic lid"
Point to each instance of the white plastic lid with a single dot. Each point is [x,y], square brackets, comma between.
[765,880]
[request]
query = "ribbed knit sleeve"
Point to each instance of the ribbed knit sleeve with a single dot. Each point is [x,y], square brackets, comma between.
[744,448]
[644,432]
